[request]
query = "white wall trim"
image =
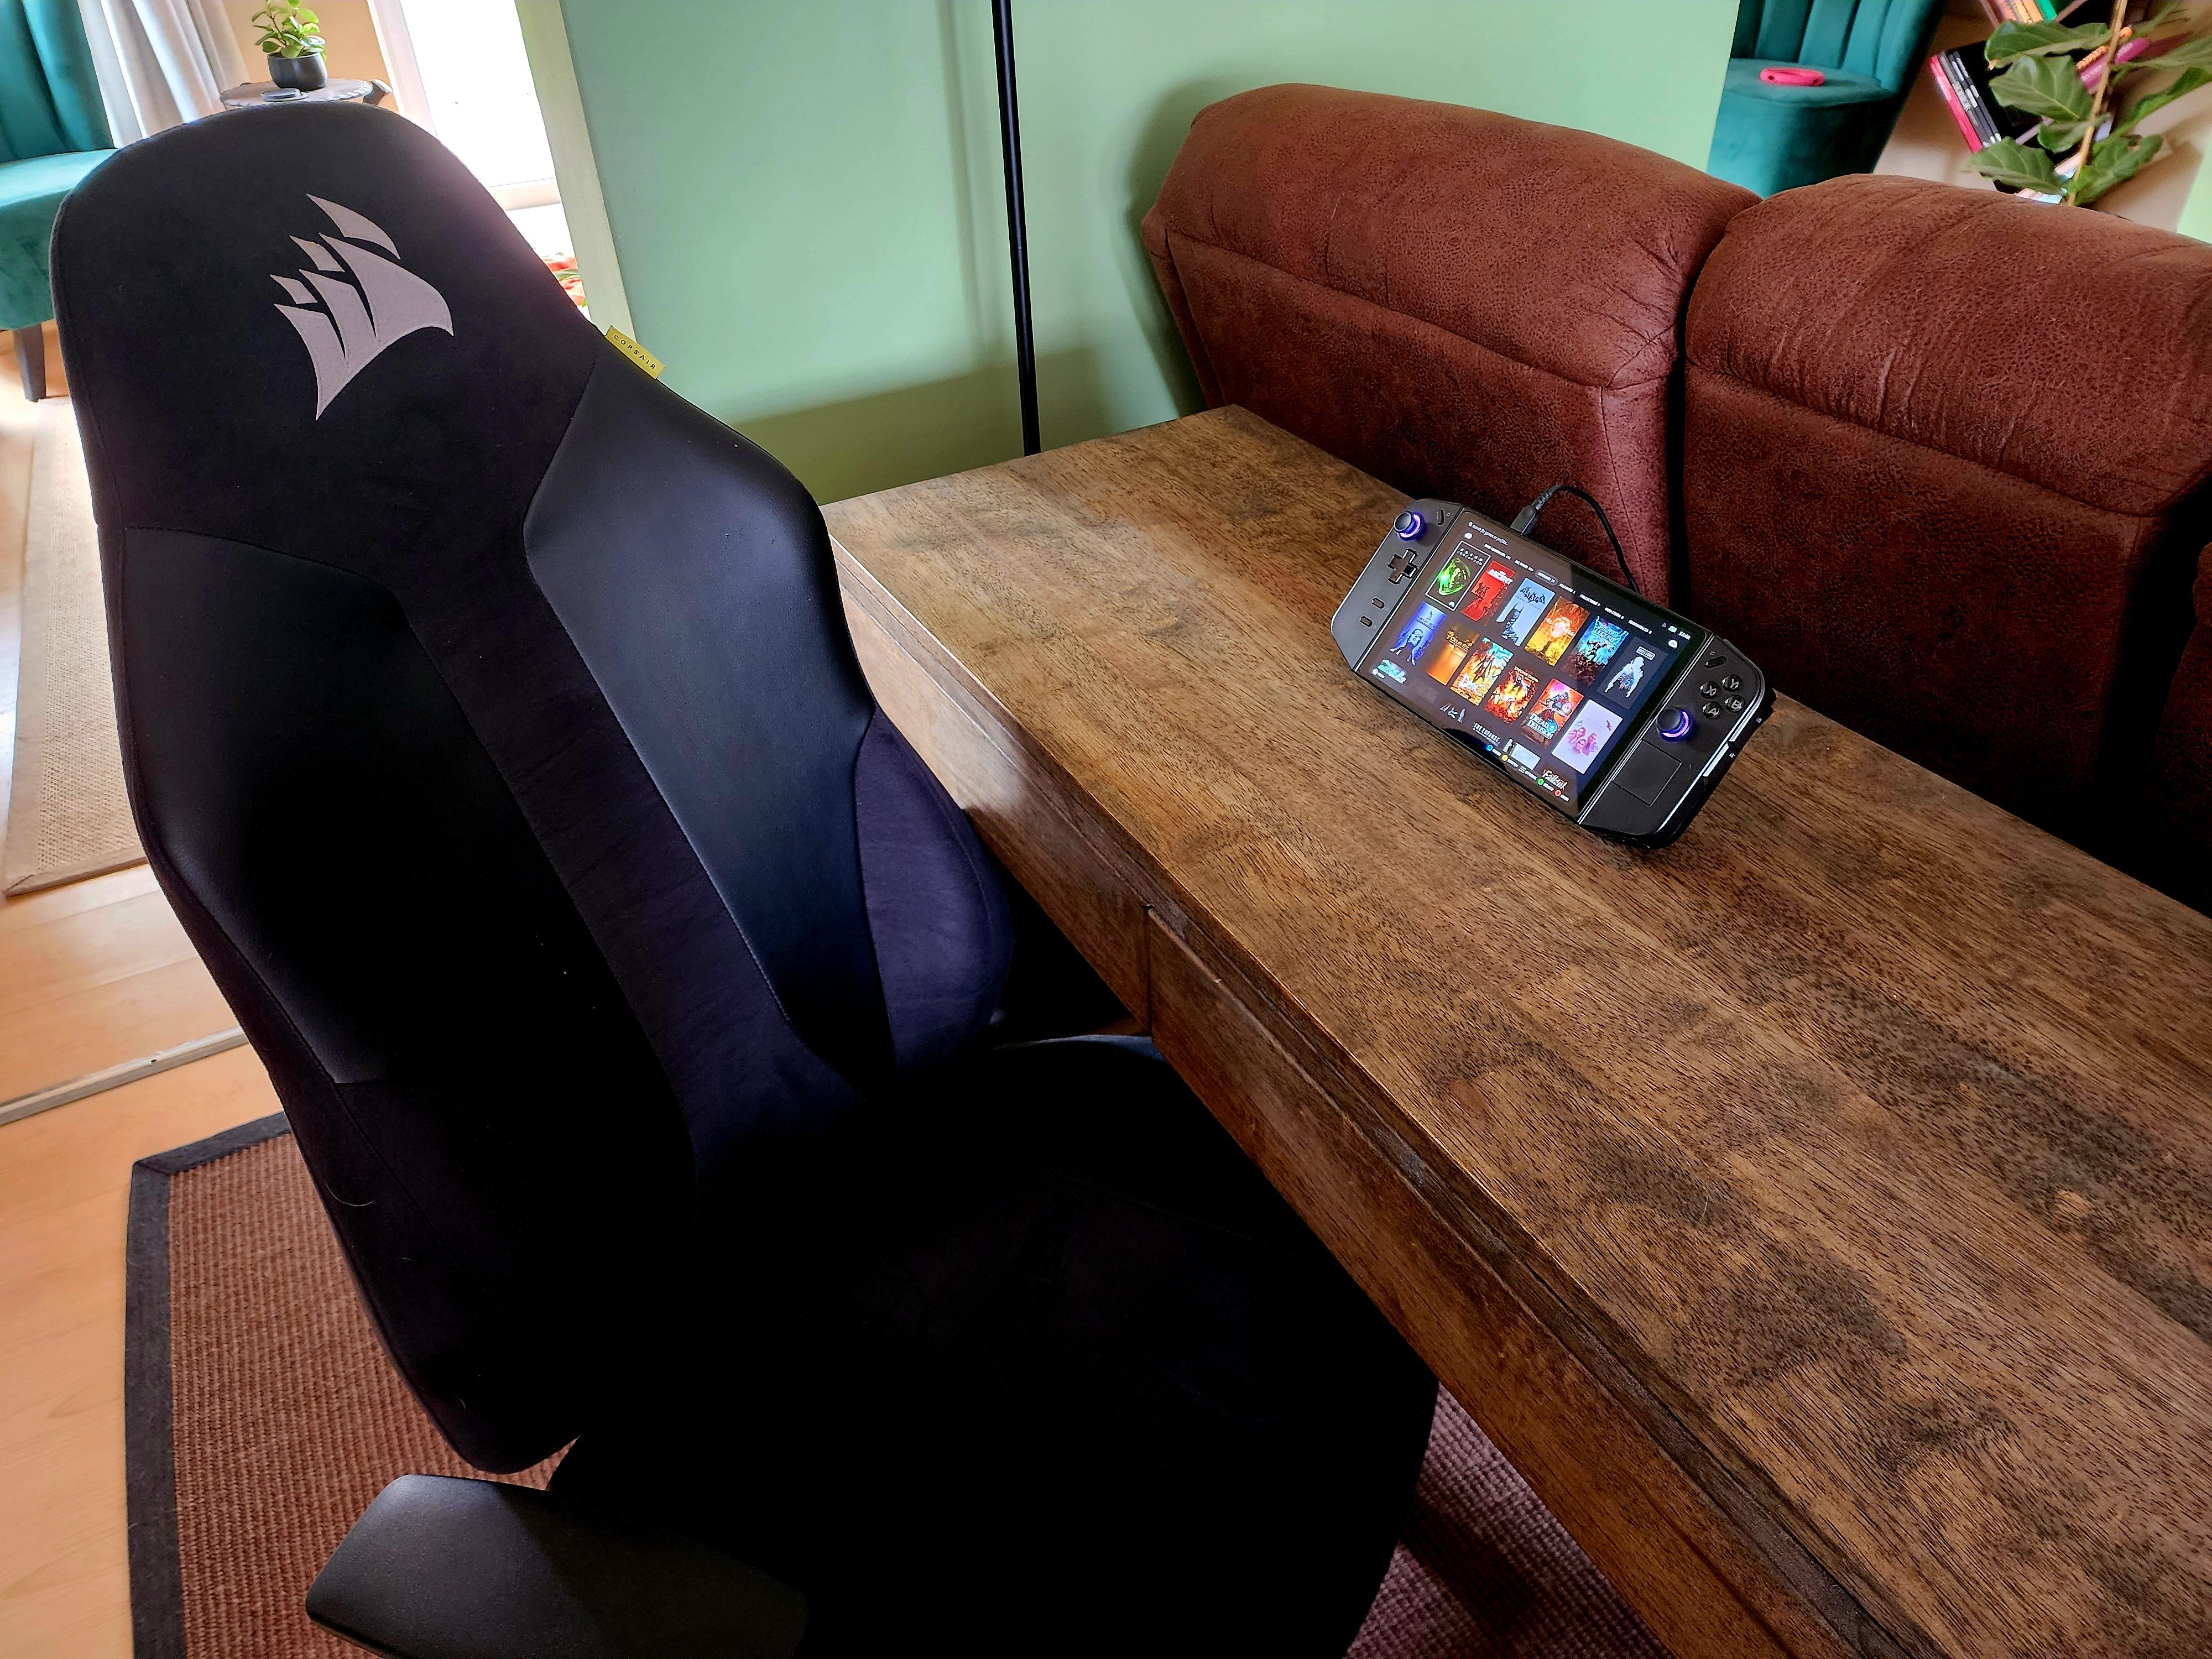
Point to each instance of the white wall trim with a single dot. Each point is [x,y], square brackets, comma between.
[545,38]
[530,193]
[397,45]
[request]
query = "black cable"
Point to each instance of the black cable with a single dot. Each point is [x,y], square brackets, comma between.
[1017,232]
[1530,513]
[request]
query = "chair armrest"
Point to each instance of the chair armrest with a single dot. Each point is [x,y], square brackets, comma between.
[438,1568]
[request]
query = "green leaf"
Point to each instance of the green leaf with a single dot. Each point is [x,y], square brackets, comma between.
[2150,103]
[2018,166]
[2188,54]
[2049,86]
[2013,40]
[2062,137]
[2113,161]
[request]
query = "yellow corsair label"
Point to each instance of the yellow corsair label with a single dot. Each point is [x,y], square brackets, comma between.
[637,353]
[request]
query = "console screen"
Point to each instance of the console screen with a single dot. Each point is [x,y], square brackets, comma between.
[1547,666]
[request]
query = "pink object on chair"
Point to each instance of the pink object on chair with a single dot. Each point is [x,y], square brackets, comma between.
[1778,76]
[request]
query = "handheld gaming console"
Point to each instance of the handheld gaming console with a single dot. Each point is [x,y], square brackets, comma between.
[1618,711]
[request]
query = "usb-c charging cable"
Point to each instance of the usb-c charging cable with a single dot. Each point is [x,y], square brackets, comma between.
[1529,515]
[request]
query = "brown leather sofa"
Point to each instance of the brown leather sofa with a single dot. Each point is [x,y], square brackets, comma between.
[1463,304]
[2172,847]
[1943,476]
[1935,457]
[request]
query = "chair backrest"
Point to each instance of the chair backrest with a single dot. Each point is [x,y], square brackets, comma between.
[49,96]
[491,721]
[1878,38]
[1944,461]
[1465,305]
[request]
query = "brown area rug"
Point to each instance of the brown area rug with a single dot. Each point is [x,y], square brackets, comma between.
[262,1417]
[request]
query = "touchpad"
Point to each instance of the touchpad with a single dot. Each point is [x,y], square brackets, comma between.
[1646,773]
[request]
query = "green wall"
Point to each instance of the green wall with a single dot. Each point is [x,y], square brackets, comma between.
[807,205]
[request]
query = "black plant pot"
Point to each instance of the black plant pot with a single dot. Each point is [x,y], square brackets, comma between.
[306,72]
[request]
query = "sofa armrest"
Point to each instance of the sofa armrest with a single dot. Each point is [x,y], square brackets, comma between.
[438,1568]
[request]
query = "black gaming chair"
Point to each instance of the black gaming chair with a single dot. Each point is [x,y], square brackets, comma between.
[491,722]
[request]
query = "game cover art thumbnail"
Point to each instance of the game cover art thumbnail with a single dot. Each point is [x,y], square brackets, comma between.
[1557,630]
[1591,729]
[1633,675]
[1599,641]
[1488,589]
[1420,628]
[1449,650]
[1521,610]
[1553,709]
[1509,699]
[1453,582]
[1481,673]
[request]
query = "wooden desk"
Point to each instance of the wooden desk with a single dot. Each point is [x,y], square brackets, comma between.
[1819,1213]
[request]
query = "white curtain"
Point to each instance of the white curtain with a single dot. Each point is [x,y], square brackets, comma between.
[161,62]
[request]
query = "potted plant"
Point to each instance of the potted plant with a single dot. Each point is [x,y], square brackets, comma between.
[2070,76]
[292,41]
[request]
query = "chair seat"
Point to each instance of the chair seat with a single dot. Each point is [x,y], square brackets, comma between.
[1842,87]
[1771,138]
[1049,1368]
[31,193]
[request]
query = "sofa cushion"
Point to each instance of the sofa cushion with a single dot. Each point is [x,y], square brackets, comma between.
[1464,304]
[1942,464]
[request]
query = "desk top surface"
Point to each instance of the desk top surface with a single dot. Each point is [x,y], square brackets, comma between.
[1869,1126]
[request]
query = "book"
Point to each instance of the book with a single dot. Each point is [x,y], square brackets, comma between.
[1959,74]
[1962,87]
[1969,70]
[1949,94]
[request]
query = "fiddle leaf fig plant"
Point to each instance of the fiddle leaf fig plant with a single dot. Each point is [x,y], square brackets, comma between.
[2072,76]
[288,30]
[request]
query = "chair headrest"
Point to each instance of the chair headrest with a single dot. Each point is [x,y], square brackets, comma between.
[349,317]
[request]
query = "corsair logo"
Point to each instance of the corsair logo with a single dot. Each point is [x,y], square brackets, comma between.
[359,319]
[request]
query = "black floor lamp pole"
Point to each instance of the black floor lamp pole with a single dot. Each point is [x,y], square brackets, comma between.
[1017,232]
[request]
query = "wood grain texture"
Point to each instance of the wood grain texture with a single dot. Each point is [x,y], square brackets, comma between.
[94,974]
[1459,1297]
[64,1192]
[1857,1148]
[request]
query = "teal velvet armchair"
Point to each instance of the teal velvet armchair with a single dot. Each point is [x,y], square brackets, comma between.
[1771,138]
[53,131]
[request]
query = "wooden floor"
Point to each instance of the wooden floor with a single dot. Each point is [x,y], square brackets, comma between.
[91,975]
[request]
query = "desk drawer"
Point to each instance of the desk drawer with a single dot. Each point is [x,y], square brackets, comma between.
[1014,808]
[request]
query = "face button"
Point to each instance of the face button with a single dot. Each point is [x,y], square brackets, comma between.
[1409,525]
[1732,684]
[1709,689]
[1677,725]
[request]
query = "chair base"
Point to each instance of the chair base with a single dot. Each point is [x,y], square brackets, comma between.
[31,361]
[1045,1367]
